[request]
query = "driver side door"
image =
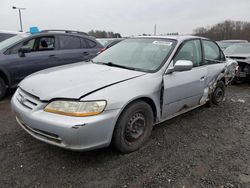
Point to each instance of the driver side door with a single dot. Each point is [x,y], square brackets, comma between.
[183,90]
[37,59]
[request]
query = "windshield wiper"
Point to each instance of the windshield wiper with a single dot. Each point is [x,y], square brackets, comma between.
[116,65]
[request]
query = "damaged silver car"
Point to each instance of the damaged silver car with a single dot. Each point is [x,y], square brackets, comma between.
[241,54]
[119,96]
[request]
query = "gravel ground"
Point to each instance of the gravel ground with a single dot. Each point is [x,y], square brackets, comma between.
[205,148]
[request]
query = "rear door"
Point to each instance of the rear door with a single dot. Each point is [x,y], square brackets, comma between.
[214,60]
[73,49]
[183,90]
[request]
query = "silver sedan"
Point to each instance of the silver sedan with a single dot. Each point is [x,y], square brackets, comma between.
[119,95]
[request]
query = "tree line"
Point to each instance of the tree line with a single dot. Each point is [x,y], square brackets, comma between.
[225,31]
[104,34]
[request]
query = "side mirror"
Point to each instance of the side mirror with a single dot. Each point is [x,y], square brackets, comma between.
[181,65]
[23,50]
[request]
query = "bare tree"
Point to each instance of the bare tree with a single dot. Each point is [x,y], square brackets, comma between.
[104,34]
[226,30]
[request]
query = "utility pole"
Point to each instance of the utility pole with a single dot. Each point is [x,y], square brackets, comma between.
[20,17]
[155,30]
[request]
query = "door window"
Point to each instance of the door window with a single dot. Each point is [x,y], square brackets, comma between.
[84,43]
[212,52]
[29,43]
[191,51]
[69,42]
[45,43]
[35,44]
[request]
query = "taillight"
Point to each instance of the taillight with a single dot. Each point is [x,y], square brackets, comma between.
[237,68]
[102,50]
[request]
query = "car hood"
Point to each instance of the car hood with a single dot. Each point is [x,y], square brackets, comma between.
[235,56]
[74,81]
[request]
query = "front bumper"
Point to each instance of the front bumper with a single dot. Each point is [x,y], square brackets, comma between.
[74,133]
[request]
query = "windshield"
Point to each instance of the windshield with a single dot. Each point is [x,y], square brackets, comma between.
[224,45]
[238,49]
[141,54]
[6,43]
[105,42]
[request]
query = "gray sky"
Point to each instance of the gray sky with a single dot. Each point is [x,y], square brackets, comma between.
[128,17]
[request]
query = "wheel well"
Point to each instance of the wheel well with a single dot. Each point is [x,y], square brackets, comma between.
[149,101]
[223,80]
[4,77]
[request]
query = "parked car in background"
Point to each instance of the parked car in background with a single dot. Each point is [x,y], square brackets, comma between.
[25,54]
[240,53]
[108,42]
[224,44]
[7,34]
[122,93]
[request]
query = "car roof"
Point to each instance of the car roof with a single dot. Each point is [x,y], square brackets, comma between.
[173,37]
[60,33]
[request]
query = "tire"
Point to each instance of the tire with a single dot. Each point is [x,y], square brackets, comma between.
[3,88]
[133,127]
[219,93]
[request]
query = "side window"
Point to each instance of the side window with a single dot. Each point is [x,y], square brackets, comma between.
[69,42]
[35,44]
[14,49]
[212,52]
[84,43]
[45,43]
[191,50]
[30,43]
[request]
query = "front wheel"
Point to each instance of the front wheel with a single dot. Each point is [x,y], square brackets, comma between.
[3,88]
[219,93]
[133,128]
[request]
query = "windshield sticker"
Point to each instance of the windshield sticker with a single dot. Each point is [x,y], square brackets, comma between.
[165,43]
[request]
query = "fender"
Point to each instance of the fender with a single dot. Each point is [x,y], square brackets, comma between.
[6,74]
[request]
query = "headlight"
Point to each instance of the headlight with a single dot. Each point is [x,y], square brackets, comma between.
[79,109]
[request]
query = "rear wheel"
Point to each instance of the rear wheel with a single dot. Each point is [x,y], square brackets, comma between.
[3,88]
[219,93]
[133,128]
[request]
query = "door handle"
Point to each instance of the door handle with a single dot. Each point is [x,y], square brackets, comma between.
[85,53]
[52,55]
[202,78]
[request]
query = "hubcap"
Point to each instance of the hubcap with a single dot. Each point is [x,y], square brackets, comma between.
[135,127]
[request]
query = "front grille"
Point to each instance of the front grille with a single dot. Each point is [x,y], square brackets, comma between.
[27,100]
